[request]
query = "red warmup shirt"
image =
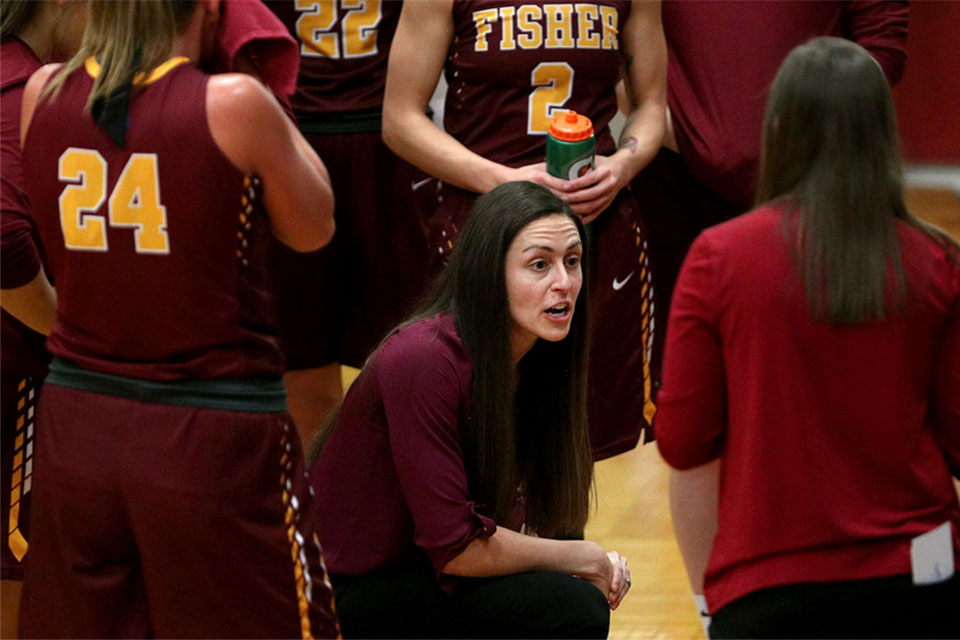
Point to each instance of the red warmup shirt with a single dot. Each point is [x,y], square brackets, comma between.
[836,443]
[722,57]
[163,272]
[392,470]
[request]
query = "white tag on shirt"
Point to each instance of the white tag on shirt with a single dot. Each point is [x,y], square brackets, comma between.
[931,555]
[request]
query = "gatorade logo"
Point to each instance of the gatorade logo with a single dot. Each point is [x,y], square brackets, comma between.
[580,168]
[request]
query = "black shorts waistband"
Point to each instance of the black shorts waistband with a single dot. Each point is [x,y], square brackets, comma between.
[257,395]
[359,121]
[362,121]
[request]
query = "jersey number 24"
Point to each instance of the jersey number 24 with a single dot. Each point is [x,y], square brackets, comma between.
[134,202]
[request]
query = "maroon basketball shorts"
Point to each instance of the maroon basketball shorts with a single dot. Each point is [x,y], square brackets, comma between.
[154,520]
[623,375]
[675,208]
[336,304]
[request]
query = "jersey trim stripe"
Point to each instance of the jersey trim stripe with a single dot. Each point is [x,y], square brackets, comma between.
[93,69]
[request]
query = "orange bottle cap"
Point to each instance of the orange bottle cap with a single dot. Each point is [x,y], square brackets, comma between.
[570,126]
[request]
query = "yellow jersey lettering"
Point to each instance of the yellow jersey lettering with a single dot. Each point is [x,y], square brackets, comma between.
[531,33]
[313,28]
[135,203]
[587,15]
[559,26]
[552,86]
[582,25]
[86,170]
[359,27]
[483,20]
[609,19]
[507,40]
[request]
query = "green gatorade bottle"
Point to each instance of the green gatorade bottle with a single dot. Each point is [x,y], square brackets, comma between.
[570,145]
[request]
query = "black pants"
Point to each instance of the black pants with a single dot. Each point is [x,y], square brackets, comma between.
[410,604]
[880,608]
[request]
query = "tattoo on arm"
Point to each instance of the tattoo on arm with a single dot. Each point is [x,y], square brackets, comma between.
[630,143]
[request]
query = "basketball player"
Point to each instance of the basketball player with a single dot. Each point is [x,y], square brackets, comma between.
[170,493]
[336,304]
[510,66]
[32,33]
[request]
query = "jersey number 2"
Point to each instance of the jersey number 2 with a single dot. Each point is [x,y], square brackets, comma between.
[358,28]
[553,82]
[134,203]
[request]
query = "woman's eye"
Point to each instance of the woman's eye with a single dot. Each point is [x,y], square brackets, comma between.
[572,261]
[538,265]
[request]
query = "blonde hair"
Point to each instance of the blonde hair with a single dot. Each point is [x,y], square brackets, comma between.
[128,37]
[15,15]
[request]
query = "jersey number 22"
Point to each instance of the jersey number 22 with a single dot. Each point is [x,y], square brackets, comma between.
[357,37]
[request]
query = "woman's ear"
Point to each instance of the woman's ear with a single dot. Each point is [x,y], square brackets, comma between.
[211,22]
[212,7]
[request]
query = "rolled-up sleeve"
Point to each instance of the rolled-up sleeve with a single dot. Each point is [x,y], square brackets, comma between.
[21,259]
[691,416]
[422,386]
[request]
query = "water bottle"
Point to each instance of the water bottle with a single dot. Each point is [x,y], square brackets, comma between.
[570,145]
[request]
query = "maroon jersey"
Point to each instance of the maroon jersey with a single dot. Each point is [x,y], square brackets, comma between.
[21,261]
[23,359]
[343,51]
[513,65]
[723,57]
[158,248]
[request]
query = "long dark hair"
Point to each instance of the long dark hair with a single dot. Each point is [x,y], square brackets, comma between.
[528,424]
[830,155]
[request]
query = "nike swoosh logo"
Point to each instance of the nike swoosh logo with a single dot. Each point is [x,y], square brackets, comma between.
[618,284]
[416,185]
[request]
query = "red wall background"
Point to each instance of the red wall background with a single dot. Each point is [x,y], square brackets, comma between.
[927,99]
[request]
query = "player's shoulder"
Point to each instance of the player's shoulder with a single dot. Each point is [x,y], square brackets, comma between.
[240,103]
[39,78]
[19,62]
[237,90]
[429,343]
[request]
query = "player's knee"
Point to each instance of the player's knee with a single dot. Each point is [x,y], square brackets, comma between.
[583,610]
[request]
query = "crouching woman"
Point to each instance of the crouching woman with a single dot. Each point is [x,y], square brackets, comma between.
[456,478]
